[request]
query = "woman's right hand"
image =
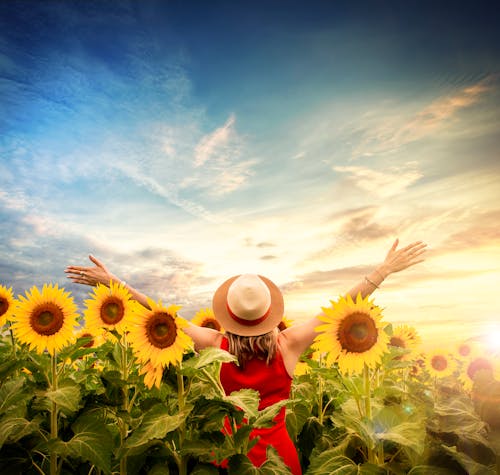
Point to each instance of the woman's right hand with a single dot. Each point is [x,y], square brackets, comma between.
[400,259]
[97,274]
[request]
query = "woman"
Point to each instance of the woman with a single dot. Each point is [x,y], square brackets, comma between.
[250,308]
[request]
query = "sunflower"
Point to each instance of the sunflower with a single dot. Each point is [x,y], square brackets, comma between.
[405,337]
[439,363]
[158,337]
[301,368]
[352,334]
[464,350]
[418,366]
[152,375]
[285,323]
[471,367]
[7,304]
[109,309]
[45,320]
[96,339]
[206,318]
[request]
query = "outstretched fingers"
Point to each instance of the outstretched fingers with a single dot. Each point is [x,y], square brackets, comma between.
[96,261]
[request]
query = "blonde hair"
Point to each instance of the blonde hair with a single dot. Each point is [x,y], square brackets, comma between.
[245,348]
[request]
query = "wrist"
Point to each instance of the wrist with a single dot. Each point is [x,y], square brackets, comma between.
[383,271]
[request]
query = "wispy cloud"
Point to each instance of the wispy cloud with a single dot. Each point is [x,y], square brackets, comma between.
[13,200]
[216,144]
[383,184]
[217,167]
[393,130]
[169,191]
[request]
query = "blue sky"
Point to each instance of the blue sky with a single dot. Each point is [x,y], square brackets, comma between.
[184,142]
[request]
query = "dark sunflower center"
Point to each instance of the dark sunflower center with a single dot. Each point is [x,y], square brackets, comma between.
[112,311]
[161,330]
[477,365]
[90,344]
[4,306]
[47,319]
[396,341]
[282,326]
[211,323]
[357,333]
[464,350]
[439,363]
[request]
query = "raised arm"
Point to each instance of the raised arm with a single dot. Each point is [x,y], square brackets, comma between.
[100,274]
[396,260]
[298,338]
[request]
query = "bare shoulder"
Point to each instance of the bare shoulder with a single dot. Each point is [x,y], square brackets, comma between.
[203,337]
[298,338]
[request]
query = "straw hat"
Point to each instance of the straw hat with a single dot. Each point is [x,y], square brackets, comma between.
[248,305]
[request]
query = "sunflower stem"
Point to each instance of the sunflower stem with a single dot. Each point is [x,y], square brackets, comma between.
[14,348]
[217,385]
[368,408]
[182,460]
[320,399]
[125,404]
[53,412]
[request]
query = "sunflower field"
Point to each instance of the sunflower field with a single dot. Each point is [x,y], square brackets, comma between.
[124,393]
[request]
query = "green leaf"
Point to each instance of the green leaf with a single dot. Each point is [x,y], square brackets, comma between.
[296,417]
[66,396]
[329,464]
[8,367]
[429,470]
[209,414]
[390,425]
[471,466]
[159,469]
[13,394]
[355,425]
[241,437]
[247,400]
[265,417]
[274,465]
[457,415]
[15,428]
[92,442]
[198,447]
[204,469]
[156,423]
[209,356]
[240,464]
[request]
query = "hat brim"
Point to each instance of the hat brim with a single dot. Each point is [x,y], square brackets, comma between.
[273,319]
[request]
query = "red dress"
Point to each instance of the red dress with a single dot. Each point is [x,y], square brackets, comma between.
[273,383]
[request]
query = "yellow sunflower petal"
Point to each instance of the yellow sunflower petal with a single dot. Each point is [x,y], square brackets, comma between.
[7,304]
[405,337]
[206,318]
[152,375]
[45,320]
[439,363]
[352,334]
[472,365]
[110,308]
[157,337]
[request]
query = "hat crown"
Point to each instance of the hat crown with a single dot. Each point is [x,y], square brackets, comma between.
[248,297]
